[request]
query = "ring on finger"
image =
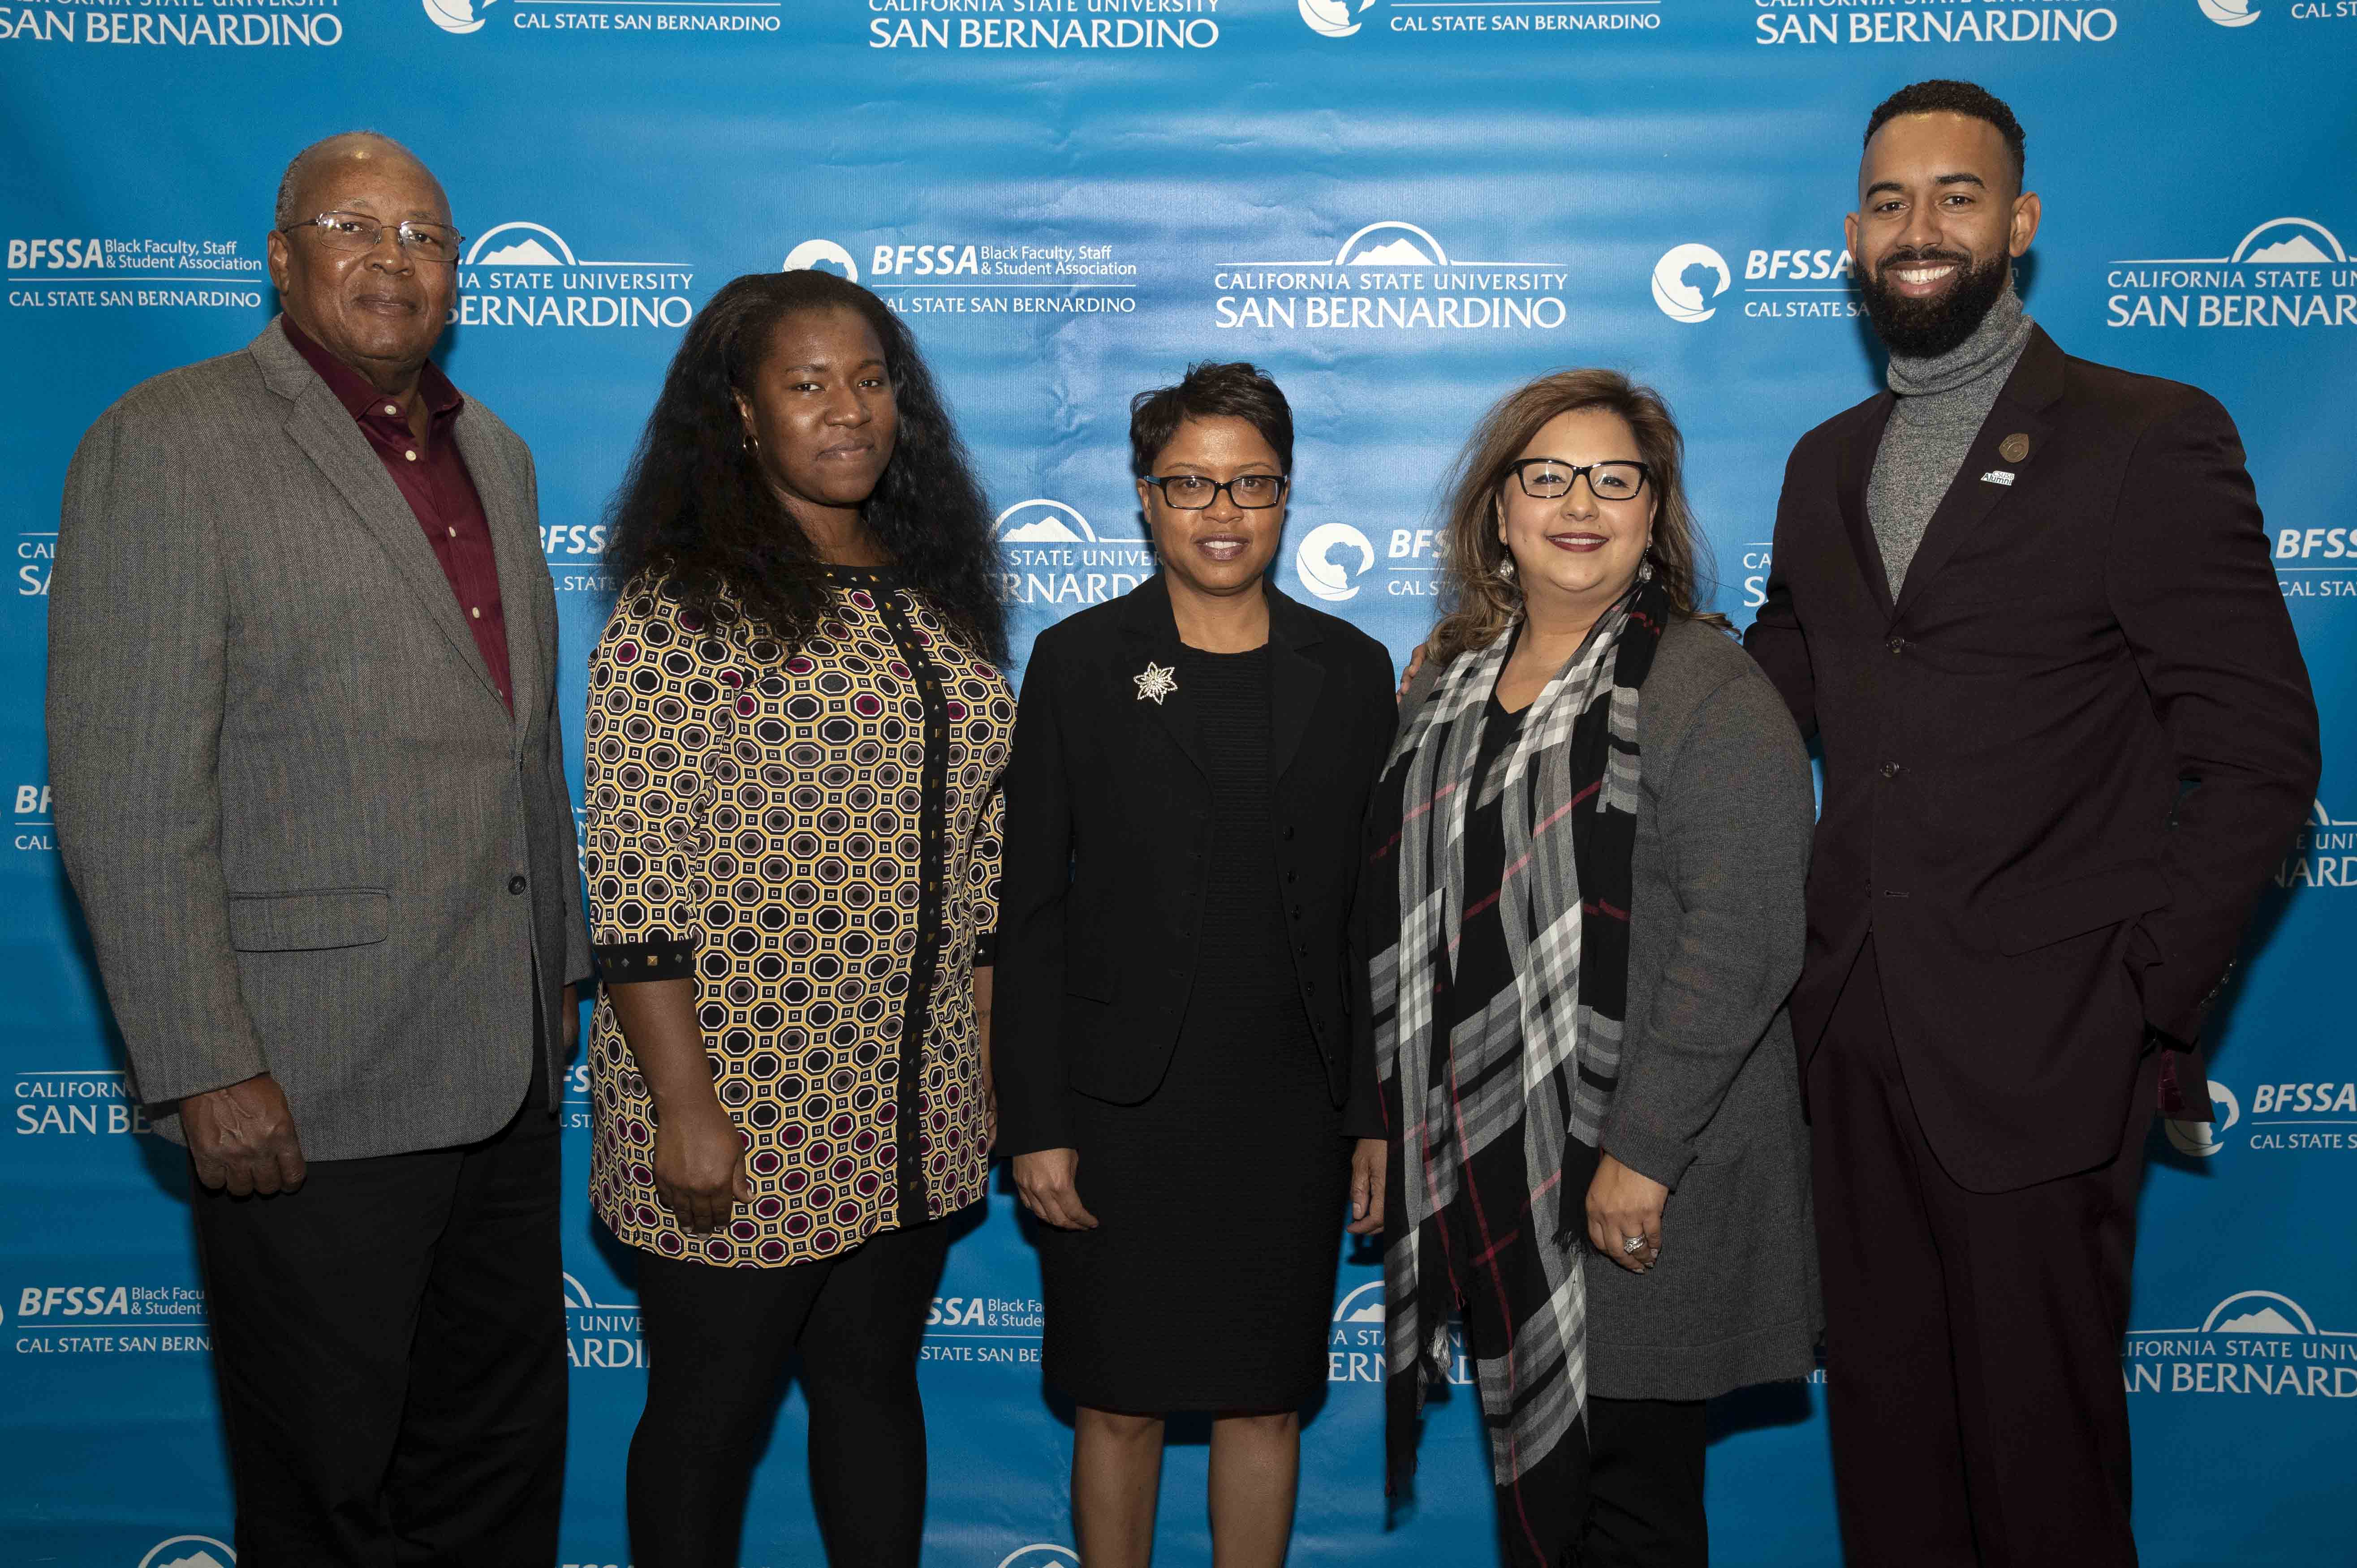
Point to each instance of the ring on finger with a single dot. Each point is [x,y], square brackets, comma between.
[1632,1245]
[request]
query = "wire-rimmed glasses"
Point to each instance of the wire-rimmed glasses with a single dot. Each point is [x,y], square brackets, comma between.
[356,231]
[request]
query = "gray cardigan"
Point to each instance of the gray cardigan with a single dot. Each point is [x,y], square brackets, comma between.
[1710,1101]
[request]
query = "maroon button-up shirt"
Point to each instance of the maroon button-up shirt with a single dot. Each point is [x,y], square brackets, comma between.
[433,478]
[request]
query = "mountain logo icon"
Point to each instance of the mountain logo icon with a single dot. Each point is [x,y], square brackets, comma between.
[2262,1312]
[1041,1554]
[2297,239]
[1365,1305]
[1043,521]
[521,245]
[189,1551]
[1391,244]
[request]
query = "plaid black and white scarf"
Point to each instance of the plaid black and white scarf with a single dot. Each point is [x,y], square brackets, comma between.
[1531,1073]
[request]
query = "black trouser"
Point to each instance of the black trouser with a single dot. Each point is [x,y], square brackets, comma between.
[389,1339]
[1644,1485]
[718,1340]
[1971,1339]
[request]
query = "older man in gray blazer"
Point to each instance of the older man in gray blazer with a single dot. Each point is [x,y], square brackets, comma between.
[310,790]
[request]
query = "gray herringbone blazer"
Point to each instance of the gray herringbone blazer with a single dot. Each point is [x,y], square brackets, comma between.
[307,836]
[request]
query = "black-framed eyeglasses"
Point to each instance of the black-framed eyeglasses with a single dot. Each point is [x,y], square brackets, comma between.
[1551,478]
[1193,492]
[356,232]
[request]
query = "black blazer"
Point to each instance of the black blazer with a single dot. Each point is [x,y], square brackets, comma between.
[2093,618]
[1107,817]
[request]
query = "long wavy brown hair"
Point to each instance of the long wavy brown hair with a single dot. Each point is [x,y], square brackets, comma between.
[1478,586]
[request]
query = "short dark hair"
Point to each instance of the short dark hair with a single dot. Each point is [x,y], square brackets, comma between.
[1210,391]
[1941,96]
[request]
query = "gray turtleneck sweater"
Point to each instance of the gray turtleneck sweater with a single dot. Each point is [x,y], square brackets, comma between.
[1943,402]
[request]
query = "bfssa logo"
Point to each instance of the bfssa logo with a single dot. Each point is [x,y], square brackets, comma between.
[1332,559]
[2203,1139]
[2254,1342]
[188,1551]
[1687,282]
[1340,19]
[2225,13]
[458,15]
[820,256]
[1039,1553]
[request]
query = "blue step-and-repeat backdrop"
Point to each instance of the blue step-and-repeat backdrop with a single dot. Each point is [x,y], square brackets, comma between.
[1401,208]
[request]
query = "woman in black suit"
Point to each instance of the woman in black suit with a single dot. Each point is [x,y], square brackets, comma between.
[1177,1075]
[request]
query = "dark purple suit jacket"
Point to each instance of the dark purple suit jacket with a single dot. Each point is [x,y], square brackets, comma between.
[2059,768]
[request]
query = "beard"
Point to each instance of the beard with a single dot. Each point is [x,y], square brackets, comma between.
[1927,328]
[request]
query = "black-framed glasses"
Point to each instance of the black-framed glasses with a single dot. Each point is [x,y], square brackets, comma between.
[356,231]
[1193,492]
[1551,478]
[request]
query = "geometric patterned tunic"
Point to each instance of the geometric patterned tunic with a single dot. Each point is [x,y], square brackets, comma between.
[815,839]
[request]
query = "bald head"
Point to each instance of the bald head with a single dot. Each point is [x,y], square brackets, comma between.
[378,307]
[326,164]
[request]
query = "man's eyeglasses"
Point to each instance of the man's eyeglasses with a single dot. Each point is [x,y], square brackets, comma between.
[356,232]
[1551,478]
[1193,492]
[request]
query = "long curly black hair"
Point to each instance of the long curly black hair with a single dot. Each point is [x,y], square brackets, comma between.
[694,509]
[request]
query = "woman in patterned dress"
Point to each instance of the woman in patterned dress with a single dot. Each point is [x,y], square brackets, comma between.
[796,729]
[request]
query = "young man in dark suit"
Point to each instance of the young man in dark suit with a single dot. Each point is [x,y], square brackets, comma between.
[2025,604]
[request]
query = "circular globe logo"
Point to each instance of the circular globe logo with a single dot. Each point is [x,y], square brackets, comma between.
[2230,13]
[810,255]
[1680,292]
[1323,561]
[2200,1139]
[455,16]
[1331,18]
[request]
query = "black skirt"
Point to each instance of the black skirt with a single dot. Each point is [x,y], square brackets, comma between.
[1209,1284]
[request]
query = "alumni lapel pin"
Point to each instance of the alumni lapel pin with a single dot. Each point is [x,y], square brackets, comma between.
[1158,681]
[2014,447]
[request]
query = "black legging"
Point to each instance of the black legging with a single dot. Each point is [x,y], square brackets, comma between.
[718,1342]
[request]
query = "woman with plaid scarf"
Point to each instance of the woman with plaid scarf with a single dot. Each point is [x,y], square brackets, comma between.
[1584,908]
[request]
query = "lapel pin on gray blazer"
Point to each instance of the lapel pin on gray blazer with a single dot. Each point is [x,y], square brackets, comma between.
[310,788]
